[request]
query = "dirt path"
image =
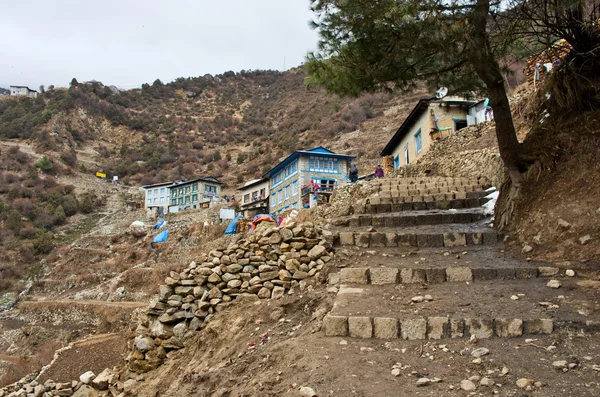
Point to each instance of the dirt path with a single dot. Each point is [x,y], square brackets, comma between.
[81,302]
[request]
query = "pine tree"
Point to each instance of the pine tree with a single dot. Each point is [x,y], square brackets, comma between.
[370,45]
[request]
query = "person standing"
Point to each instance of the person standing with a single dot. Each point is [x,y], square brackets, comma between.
[378,172]
[353,173]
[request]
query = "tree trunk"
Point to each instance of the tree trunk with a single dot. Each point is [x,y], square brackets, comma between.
[487,68]
[509,146]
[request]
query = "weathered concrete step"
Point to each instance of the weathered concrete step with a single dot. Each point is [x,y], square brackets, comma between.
[420,239]
[399,197]
[435,275]
[436,327]
[428,182]
[413,218]
[387,205]
[487,308]
[424,191]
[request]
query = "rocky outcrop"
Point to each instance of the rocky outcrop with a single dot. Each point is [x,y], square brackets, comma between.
[262,265]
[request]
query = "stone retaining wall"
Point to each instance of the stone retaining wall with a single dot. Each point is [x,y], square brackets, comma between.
[262,265]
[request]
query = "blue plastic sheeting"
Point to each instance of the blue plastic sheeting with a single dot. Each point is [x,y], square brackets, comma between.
[161,237]
[231,227]
[158,224]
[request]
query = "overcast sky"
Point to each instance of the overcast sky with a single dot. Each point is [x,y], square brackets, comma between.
[130,42]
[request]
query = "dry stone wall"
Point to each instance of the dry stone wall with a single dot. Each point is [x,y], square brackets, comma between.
[265,264]
[450,157]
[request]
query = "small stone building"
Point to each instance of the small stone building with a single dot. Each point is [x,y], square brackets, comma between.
[430,120]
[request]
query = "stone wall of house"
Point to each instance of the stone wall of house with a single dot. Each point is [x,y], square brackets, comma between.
[265,264]
[452,156]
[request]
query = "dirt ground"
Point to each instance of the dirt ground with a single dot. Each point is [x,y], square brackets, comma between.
[218,361]
[95,354]
[570,303]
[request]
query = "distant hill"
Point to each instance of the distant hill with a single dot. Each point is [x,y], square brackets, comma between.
[4,91]
[234,125]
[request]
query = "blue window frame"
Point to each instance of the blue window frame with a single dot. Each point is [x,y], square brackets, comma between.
[323,164]
[418,142]
[397,161]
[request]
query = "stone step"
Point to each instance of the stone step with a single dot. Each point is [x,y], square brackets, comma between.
[415,190]
[429,181]
[413,218]
[484,309]
[409,275]
[396,205]
[415,197]
[421,237]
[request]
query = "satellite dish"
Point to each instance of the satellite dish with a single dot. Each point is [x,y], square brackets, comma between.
[441,92]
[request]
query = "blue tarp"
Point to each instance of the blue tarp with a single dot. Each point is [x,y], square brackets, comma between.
[161,237]
[231,227]
[158,224]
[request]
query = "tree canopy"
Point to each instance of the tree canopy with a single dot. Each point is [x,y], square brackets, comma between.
[369,45]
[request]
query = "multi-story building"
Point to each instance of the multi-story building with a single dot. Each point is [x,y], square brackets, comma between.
[291,182]
[194,193]
[21,90]
[255,197]
[158,195]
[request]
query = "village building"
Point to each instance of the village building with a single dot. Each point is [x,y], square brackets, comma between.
[255,197]
[292,181]
[21,90]
[195,193]
[431,120]
[157,196]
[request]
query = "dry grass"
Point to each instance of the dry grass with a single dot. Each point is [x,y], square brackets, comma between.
[28,364]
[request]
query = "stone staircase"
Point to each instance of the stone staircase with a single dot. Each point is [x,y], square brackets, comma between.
[420,261]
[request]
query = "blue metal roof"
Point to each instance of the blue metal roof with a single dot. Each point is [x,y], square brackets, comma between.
[321,151]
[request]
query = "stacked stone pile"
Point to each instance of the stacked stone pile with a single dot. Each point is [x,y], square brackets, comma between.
[89,385]
[557,52]
[265,264]
[344,198]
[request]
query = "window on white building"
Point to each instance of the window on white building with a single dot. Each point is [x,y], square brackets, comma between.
[322,164]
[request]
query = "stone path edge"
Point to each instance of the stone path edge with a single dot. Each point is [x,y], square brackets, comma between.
[390,275]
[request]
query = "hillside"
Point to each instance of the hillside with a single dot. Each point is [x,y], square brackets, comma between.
[234,126]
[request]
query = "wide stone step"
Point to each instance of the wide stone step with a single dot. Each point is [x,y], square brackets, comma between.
[416,190]
[424,238]
[434,275]
[388,183]
[415,197]
[487,309]
[388,205]
[413,218]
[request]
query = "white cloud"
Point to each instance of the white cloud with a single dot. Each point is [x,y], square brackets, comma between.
[130,42]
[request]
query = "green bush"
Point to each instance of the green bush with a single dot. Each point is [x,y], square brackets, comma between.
[43,244]
[87,204]
[59,215]
[45,164]
[70,205]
